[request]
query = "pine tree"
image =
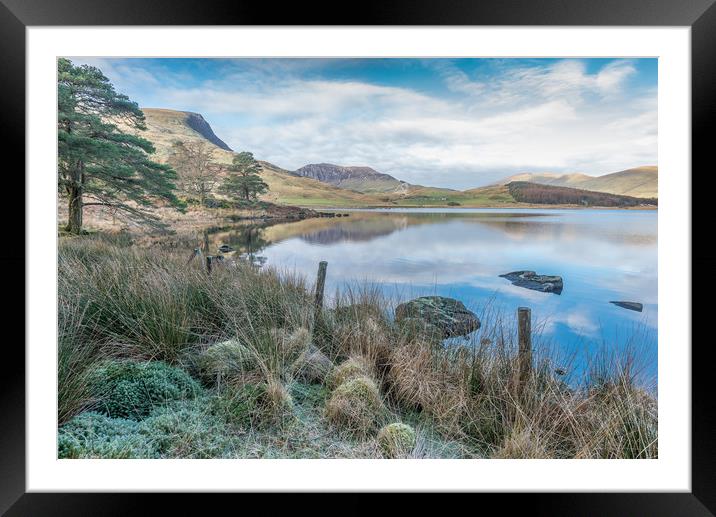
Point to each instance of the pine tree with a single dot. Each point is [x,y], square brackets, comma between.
[244,181]
[98,163]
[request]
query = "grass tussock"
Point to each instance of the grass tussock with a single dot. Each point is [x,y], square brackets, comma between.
[232,364]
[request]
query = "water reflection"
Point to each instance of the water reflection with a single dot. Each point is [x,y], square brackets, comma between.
[602,255]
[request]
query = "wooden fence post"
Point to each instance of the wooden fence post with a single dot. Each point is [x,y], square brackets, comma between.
[206,242]
[208,264]
[194,253]
[320,285]
[524,329]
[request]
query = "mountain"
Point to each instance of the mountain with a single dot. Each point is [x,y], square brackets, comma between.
[360,179]
[182,123]
[165,126]
[326,185]
[640,182]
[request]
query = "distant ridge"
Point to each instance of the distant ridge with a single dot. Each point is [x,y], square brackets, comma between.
[358,178]
[642,182]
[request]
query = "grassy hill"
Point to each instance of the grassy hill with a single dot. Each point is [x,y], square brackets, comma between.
[526,192]
[164,127]
[637,182]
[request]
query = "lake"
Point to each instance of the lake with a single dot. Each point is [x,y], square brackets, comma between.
[602,255]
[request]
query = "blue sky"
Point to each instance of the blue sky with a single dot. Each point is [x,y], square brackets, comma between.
[457,123]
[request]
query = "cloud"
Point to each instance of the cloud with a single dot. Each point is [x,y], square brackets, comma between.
[564,79]
[479,128]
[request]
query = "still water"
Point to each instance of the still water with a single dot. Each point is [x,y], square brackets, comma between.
[602,255]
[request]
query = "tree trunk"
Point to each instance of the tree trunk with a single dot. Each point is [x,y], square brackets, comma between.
[74,219]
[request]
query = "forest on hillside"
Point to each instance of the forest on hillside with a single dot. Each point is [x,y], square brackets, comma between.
[526,192]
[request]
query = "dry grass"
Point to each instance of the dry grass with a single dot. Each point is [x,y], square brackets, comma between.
[248,333]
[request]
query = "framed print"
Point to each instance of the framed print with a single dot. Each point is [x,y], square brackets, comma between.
[431,251]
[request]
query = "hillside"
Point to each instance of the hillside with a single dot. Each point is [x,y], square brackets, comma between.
[525,192]
[327,185]
[165,126]
[637,182]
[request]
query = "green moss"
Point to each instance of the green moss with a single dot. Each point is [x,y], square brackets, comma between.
[350,369]
[126,389]
[309,394]
[396,440]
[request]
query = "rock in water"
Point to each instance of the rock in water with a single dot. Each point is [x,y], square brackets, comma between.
[449,315]
[632,306]
[531,280]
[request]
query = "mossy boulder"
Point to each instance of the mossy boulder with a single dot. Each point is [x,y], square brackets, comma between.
[419,330]
[449,315]
[313,366]
[127,389]
[396,440]
[348,369]
[355,406]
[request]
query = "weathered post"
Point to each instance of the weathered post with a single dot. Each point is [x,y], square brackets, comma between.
[208,264]
[194,253]
[320,285]
[524,330]
[206,242]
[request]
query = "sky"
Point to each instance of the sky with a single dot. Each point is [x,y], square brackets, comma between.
[456,123]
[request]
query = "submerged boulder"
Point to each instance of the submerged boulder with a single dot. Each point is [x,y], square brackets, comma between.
[632,306]
[447,314]
[531,280]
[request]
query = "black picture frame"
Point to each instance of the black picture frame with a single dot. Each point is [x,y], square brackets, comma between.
[700,15]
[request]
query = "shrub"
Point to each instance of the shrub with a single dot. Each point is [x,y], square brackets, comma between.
[93,435]
[355,406]
[349,369]
[396,440]
[126,389]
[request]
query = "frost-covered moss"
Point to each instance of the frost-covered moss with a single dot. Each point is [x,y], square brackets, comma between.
[93,435]
[226,359]
[349,369]
[255,405]
[126,389]
[396,440]
[355,405]
[187,429]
